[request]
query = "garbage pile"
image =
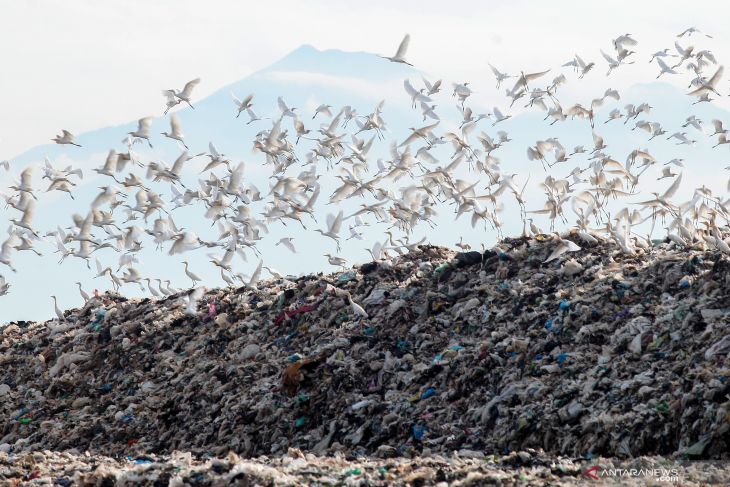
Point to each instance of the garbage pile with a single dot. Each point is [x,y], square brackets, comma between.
[298,468]
[595,352]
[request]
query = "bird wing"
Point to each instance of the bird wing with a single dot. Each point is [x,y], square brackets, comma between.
[313,199]
[141,198]
[710,57]
[409,88]
[715,77]
[336,224]
[236,177]
[286,242]
[596,103]
[334,123]
[282,105]
[403,47]
[110,164]
[533,76]
[26,177]
[85,226]
[377,250]
[299,126]
[597,139]
[663,65]
[171,222]
[228,256]
[559,250]
[411,138]
[495,71]
[256,274]
[626,40]
[175,125]
[28,212]
[612,94]
[144,124]
[608,58]
[177,166]
[673,188]
[427,83]
[188,89]
[170,95]
[213,151]
[193,299]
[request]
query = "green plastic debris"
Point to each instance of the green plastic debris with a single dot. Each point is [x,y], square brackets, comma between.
[699,447]
[347,276]
[440,268]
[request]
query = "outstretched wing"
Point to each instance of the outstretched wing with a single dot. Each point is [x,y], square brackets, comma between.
[144,124]
[188,90]
[175,125]
[401,52]
[716,77]
[534,76]
[282,104]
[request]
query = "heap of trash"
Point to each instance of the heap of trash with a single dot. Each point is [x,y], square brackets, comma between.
[302,469]
[594,353]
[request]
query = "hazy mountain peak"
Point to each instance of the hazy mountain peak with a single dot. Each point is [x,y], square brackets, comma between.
[335,62]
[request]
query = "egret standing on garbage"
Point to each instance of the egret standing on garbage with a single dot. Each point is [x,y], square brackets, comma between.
[190,274]
[56,309]
[84,294]
[356,309]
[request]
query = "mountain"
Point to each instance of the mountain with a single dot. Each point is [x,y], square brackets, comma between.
[305,78]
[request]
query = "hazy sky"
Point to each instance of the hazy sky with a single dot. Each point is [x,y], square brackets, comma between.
[84,64]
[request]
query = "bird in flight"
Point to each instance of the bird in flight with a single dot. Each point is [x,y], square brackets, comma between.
[400,54]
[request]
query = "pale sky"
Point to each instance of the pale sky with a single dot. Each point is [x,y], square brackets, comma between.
[81,65]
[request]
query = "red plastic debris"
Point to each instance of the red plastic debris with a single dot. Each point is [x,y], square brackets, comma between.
[288,313]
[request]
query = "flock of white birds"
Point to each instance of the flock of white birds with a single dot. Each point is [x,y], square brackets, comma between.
[405,190]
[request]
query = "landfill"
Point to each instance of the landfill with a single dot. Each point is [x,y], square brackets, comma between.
[595,354]
[296,468]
